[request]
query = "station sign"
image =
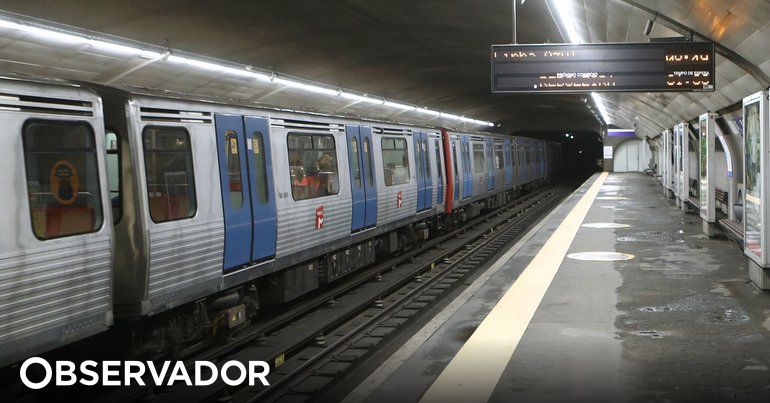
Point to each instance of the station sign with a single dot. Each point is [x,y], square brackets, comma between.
[603,67]
[607,152]
[621,133]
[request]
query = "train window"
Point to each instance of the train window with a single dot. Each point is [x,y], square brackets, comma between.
[260,167]
[427,158]
[479,161]
[499,158]
[312,166]
[114,185]
[354,162]
[418,157]
[439,171]
[233,161]
[62,178]
[395,161]
[466,157]
[368,161]
[168,165]
[456,173]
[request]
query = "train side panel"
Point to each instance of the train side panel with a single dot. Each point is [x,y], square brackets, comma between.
[178,198]
[55,252]
[396,179]
[310,214]
[479,162]
[498,163]
[438,173]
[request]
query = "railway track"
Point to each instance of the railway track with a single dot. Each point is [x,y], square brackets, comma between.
[318,366]
[323,337]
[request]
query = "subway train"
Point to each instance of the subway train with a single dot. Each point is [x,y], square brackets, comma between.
[125,203]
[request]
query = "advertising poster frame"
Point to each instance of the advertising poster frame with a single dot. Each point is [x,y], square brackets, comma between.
[754,111]
[684,165]
[678,191]
[706,184]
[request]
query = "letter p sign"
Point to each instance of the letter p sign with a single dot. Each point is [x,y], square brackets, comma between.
[319,217]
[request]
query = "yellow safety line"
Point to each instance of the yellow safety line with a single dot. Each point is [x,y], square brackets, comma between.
[473,373]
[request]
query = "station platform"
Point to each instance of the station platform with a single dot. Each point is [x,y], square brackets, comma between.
[677,319]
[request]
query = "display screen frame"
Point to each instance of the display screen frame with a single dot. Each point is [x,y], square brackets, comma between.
[703,158]
[626,50]
[753,145]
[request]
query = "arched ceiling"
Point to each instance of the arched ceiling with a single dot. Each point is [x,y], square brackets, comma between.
[429,53]
[741,27]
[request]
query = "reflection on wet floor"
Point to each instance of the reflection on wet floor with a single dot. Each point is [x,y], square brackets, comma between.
[600,256]
[605,225]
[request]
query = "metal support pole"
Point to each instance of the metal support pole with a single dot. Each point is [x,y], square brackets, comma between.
[513,19]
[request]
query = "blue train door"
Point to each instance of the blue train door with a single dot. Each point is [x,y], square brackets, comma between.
[508,162]
[426,171]
[419,163]
[260,170]
[439,171]
[235,196]
[362,184]
[490,155]
[515,161]
[370,185]
[525,161]
[467,175]
[357,188]
[456,164]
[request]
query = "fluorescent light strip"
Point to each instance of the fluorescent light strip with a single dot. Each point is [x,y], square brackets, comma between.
[600,105]
[429,111]
[398,105]
[360,98]
[568,22]
[81,40]
[218,68]
[307,87]
[112,47]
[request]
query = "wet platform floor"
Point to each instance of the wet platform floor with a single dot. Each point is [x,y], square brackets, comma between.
[680,321]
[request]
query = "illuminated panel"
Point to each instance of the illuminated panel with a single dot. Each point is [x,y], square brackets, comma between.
[602,67]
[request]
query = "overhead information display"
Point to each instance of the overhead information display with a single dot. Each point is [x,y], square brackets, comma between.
[603,67]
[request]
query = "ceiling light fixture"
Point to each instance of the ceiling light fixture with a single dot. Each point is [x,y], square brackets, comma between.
[564,10]
[58,36]
[600,105]
[648,27]
[218,68]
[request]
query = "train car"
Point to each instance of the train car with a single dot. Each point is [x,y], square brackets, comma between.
[531,168]
[56,246]
[139,205]
[481,171]
[552,160]
[244,193]
[374,181]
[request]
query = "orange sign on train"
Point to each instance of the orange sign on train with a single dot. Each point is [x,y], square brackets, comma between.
[65,182]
